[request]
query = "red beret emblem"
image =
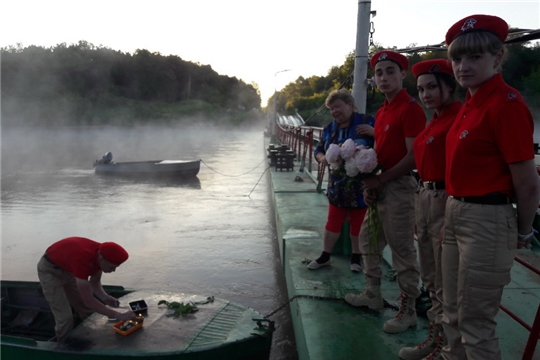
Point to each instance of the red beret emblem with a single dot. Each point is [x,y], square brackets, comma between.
[435,69]
[478,22]
[389,55]
[512,96]
[469,24]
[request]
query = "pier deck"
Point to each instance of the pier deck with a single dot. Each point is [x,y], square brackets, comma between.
[331,329]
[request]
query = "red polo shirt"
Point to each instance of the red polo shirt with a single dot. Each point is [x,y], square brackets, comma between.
[429,146]
[77,255]
[396,120]
[494,128]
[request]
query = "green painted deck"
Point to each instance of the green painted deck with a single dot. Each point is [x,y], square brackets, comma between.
[330,329]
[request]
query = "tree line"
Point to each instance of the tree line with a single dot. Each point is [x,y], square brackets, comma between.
[306,96]
[83,84]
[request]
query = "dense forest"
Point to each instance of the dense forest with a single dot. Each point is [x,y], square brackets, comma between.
[306,95]
[82,84]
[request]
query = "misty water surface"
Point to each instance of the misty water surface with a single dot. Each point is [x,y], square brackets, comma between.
[211,236]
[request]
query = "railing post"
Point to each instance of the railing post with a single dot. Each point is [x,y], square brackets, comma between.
[533,337]
[310,150]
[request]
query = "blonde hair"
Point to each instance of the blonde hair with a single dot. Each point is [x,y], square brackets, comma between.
[343,95]
[474,42]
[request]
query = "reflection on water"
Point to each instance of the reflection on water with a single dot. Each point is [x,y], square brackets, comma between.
[211,235]
[192,182]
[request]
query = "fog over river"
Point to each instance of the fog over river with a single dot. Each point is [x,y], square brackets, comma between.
[214,235]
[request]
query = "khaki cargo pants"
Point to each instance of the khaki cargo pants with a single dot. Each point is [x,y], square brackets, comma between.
[429,213]
[60,290]
[479,247]
[396,212]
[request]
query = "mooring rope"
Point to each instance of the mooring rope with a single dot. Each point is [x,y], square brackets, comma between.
[220,173]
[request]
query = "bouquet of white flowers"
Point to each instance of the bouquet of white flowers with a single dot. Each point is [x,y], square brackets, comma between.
[357,162]
[351,159]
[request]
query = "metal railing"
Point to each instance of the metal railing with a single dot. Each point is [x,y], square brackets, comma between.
[302,140]
[534,330]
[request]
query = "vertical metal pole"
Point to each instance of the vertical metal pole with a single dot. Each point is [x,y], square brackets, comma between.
[363,27]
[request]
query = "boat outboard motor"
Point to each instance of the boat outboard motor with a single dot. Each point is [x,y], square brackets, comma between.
[107,158]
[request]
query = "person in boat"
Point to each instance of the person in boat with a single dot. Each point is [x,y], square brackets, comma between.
[436,86]
[399,120]
[489,164]
[345,198]
[70,275]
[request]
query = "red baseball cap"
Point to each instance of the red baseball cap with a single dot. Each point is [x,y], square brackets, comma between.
[490,23]
[114,253]
[432,66]
[390,55]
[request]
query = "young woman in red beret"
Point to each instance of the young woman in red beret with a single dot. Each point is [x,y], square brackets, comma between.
[399,120]
[489,164]
[436,86]
[70,275]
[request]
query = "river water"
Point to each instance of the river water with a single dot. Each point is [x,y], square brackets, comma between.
[214,235]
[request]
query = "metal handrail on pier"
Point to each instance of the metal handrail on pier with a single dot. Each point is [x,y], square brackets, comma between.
[302,140]
[534,330]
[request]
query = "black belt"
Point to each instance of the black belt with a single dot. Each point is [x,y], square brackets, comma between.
[489,199]
[432,185]
[410,173]
[46,257]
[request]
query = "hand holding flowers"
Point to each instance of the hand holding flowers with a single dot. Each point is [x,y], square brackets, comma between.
[359,163]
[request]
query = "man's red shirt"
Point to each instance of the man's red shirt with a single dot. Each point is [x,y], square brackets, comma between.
[77,255]
[396,120]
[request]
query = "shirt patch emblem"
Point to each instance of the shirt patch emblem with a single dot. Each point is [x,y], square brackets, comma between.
[469,24]
[464,134]
[430,140]
[383,57]
[386,127]
[511,96]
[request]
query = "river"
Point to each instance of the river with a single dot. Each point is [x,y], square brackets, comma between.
[211,236]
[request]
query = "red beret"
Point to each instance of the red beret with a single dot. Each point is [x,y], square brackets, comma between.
[384,55]
[432,66]
[114,253]
[490,23]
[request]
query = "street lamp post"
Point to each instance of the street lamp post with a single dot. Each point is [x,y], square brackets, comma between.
[275,93]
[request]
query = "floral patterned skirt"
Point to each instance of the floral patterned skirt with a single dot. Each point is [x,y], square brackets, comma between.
[345,192]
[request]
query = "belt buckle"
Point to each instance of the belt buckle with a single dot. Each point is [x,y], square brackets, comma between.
[429,185]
